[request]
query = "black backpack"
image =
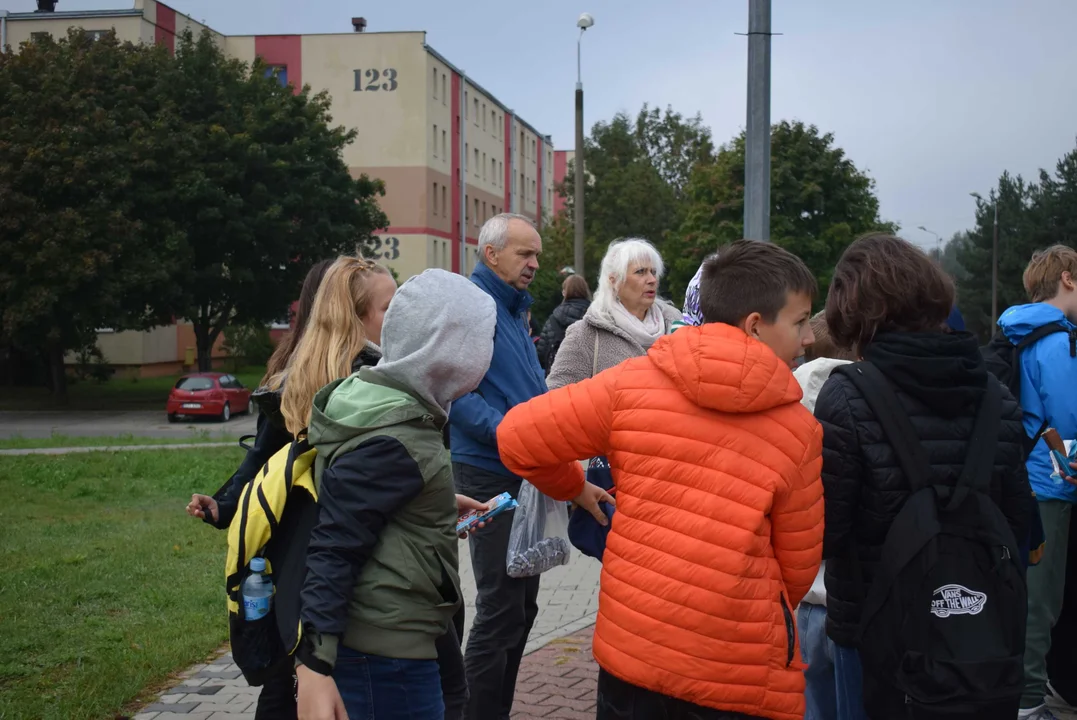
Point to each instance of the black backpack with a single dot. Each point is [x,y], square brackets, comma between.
[1003,360]
[944,619]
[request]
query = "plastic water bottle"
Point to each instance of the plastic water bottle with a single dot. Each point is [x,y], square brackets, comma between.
[257,591]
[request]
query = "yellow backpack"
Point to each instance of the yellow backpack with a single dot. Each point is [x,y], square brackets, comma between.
[277,511]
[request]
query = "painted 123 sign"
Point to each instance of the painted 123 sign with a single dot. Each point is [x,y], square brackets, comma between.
[377,248]
[375,80]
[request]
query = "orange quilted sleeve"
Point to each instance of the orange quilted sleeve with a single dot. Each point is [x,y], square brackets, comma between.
[797,522]
[543,439]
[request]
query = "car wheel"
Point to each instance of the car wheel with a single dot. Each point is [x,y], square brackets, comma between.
[172,418]
[226,414]
[250,406]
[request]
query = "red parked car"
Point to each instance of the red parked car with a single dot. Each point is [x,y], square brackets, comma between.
[212,394]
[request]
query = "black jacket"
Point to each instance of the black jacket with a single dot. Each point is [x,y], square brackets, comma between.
[939,380]
[553,333]
[270,436]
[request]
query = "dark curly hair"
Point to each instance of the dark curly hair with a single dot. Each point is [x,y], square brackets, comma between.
[885,284]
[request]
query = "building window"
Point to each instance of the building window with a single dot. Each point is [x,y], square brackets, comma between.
[443,93]
[465,104]
[278,71]
[444,204]
[435,199]
[476,112]
[435,141]
[484,166]
[467,148]
[493,171]
[484,213]
[534,151]
[523,145]
[500,173]
[476,162]
[40,36]
[534,191]
[476,216]
[484,117]
[435,83]
[523,186]
[493,123]
[444,147]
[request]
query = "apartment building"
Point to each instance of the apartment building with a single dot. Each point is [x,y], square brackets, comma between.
[451,154]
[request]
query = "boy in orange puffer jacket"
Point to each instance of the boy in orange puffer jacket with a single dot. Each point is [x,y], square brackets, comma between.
[719,523]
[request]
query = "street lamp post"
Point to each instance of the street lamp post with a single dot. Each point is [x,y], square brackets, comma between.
[757,131]
[994,260]
[583,23]
[938,241]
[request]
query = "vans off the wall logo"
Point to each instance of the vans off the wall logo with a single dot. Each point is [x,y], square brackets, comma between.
[957,600]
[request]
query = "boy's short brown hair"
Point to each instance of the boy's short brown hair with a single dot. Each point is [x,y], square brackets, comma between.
[824,346]
[749,276]
[883,283]
[1045,269]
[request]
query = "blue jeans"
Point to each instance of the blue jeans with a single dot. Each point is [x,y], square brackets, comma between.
[380,688]
[834,684]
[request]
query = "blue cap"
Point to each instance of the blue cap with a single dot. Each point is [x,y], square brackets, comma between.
[258,564]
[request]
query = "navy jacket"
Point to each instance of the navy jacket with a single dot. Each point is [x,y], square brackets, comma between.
[515,376]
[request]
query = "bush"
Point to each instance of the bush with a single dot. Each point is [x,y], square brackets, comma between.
[248,344]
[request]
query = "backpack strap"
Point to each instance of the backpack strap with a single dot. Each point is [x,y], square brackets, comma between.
[1040,333]
[976,474]
[1028,341]
[897,427]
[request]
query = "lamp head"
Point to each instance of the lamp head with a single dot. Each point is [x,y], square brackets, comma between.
[585,21]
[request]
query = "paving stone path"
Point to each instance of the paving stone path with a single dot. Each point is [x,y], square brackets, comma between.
[560,639]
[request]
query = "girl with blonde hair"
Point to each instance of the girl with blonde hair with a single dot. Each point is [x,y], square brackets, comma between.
[343,334]
[338,330]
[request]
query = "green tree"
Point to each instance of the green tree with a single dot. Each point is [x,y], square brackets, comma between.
[820,202]
[259,190]
[557,254]
[1031,216]
[82,137]
[637,171]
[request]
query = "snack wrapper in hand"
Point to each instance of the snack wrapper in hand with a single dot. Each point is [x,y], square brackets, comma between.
[1062,453]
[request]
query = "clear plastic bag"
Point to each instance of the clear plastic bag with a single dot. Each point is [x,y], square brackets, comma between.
[539,538]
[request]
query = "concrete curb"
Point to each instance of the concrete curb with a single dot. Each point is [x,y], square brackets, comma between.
[114,448]
[569,629]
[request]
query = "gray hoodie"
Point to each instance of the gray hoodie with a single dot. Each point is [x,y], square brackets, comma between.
[438,337]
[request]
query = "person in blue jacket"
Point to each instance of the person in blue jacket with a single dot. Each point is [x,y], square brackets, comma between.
[505,608]
[1048,395]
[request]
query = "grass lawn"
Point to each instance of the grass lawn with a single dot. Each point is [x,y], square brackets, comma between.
[65,441]
[107,585]
[115,394]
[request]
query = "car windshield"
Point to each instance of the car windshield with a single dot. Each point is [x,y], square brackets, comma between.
[195,383]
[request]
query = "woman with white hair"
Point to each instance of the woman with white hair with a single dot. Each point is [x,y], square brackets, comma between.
[624,320]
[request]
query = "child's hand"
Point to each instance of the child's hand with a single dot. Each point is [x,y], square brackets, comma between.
[465,504]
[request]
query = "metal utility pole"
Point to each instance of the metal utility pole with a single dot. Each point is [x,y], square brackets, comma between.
[757,145]
[583,23]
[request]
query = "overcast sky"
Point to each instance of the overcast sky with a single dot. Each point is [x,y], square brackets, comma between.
[933,98]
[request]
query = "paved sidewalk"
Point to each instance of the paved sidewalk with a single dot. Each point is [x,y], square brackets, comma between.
[568,601]
[558,681]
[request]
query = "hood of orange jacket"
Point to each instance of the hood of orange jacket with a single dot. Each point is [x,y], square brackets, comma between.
[719,367]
